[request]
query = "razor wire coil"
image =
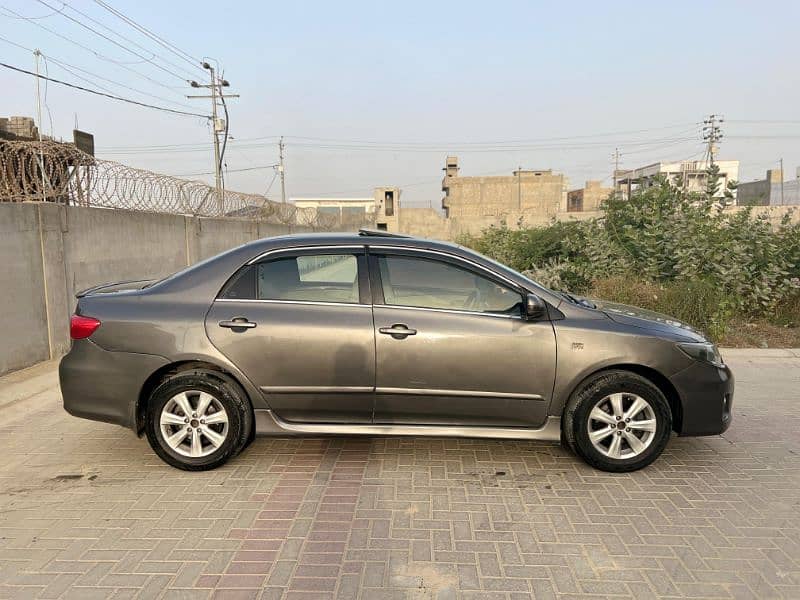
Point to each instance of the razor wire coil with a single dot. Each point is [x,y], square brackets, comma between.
[61,173]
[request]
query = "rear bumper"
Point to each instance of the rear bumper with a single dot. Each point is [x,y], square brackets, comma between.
[706,394]
[104,386]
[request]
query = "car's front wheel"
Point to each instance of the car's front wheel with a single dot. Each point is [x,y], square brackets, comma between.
[197,420]
[617,421]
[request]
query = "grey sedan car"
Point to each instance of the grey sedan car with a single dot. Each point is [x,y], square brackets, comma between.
[380,334]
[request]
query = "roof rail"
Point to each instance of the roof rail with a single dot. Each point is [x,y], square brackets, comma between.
[378,233]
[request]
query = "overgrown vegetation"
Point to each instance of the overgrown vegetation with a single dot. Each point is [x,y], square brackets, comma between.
[670,251]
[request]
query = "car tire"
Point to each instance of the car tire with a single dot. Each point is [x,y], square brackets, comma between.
[198,441]
[617,421]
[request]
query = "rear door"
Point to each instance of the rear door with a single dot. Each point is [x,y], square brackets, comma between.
[299,324]
[452,345]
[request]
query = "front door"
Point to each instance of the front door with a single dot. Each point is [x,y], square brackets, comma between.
[453,347]
[299,325]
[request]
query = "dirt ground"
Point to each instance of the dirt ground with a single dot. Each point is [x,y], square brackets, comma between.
[759,334]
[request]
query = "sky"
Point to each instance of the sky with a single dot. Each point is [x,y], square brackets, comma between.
[373,94]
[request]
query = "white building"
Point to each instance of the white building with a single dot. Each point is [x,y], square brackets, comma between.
[691,174]
[345,209]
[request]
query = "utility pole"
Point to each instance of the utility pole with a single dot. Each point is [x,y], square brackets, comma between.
[519,188]
[782,202]
[615,157]
[217,125]
[214,130]
[712,133]
[282,171]
[37,54]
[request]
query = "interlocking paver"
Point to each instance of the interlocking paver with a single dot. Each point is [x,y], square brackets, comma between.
[88,511]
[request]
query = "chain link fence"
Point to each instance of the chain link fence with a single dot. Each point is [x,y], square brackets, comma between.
[56,172]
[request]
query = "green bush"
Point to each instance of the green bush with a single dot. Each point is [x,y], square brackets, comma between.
[665,249]
[700,303]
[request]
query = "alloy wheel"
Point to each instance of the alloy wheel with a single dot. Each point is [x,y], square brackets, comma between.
[194,423]
[622,425]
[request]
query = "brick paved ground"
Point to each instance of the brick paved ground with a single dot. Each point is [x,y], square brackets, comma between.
[88,511]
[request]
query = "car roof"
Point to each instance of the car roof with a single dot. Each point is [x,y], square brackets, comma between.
[364,237]
[210,274]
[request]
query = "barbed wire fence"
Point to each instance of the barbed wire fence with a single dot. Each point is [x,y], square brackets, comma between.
[56,172]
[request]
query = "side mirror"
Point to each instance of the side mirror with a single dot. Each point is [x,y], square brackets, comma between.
[535,307]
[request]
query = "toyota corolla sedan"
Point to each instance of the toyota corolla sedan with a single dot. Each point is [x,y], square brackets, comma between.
[380,334]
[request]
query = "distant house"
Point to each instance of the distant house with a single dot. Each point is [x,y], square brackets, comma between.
[692,175]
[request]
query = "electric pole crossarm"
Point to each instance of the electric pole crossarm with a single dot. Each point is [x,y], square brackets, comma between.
[712,134]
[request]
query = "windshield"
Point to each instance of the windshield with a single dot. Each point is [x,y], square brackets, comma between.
[571,298]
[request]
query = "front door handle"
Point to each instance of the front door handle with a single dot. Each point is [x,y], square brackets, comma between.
[398,331]
[237,323]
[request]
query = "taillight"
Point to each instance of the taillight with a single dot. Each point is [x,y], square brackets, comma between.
[82,327]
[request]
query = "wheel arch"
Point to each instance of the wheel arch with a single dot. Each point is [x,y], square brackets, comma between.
[653,376]
[155,378]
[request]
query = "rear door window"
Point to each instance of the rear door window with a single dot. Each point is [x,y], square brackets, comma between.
[312,278]
[303,278]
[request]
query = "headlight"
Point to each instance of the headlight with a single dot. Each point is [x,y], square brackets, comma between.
[704,352]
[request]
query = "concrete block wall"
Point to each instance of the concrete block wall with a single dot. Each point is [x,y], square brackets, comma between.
[51,252]
[428,223]
[24,313]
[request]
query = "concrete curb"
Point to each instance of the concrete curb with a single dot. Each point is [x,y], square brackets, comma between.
[760,352]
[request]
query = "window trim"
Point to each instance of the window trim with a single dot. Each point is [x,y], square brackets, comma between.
[362,273]
[452,311]
[376,284]
[306,302]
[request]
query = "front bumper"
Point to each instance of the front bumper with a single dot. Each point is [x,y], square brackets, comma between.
[104,386]
[706,394]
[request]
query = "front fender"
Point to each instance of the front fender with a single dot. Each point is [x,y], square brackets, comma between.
[593,346]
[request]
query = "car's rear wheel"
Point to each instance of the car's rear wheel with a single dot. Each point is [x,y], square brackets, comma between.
[197,420]
[617,421]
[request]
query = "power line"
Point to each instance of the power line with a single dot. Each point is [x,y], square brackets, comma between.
[271,181]
[189,145]
[47,106]
[55,12]
[67,67]
[229,170]
[113,41]
[763,137]
[87,49]
[112,96]
[485,149]
[156,38]
[225,139]
[408,149]
[435,146]
[516,141]
[776,121]
[127,39]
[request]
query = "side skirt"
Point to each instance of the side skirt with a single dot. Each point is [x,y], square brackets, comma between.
[267,423]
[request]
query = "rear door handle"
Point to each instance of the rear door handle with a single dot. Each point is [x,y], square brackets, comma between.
[237,323]
[398,331]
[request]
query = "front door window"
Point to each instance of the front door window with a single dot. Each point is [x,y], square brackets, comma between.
[426,283]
